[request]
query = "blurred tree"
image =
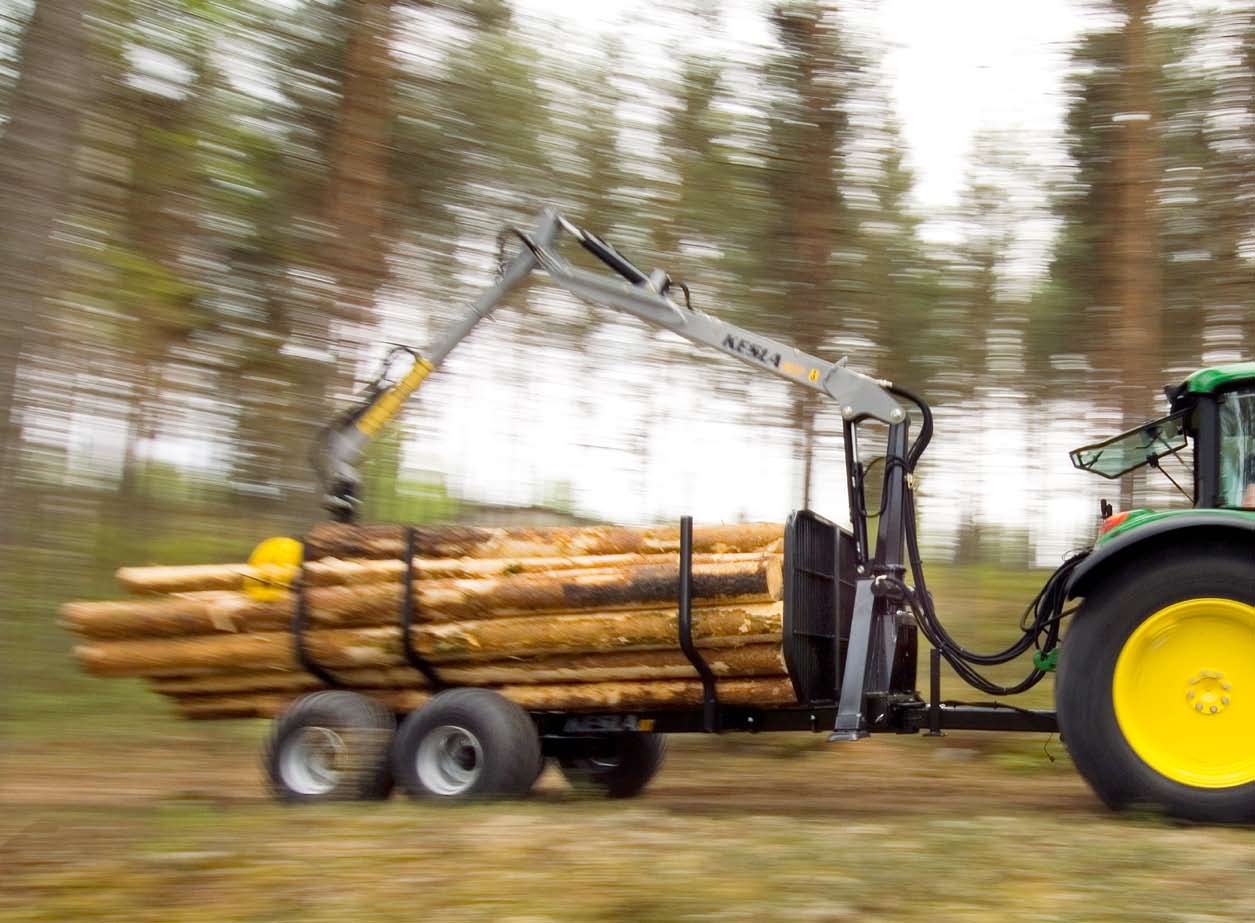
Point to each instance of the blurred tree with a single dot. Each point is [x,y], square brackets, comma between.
[808,130]
[358,185]
[699,202]
[321,229]
[1105,300]
[1229,186]
[1139,171]
[241,193]
[155,279]
[13,20]
[897,290]
[1077,314]
[1109,258]
[1154,221]
[987,320]
[36,170]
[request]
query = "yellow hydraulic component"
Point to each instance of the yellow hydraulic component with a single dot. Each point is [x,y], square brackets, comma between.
[1184,692]
[386,407]
[273,565]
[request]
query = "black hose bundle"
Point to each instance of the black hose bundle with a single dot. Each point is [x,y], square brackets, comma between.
[1039,625]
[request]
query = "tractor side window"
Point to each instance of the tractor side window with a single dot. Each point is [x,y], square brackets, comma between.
[1237,450]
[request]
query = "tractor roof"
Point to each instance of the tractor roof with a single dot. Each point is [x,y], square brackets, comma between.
[1219,377]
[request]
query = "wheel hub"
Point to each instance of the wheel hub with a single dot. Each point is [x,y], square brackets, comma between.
[449,760]
[1208,693]
[1195,653]
[309,762]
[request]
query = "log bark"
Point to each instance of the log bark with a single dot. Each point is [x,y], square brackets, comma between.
[184,578]
[493,639]
[336,540]
[751,660]
[650,629]
[218,612]
[337,571]
[738,582]
[765,692]
[602,591]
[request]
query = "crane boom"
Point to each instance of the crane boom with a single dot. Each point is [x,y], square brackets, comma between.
[641,295]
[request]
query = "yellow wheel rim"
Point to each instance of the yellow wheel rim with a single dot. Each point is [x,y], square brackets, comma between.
[274,564]
[1184,692]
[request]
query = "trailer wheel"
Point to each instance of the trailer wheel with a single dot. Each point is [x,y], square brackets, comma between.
[466,744]
[330,746]
[1156,685]
[620,766]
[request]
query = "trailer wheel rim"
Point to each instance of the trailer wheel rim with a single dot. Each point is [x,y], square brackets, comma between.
[449,760]
[308,761]
[1184,692]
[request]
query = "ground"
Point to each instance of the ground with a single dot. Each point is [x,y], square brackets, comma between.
[778,827]
[110,809]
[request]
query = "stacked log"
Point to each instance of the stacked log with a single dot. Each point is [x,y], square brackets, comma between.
[560,618]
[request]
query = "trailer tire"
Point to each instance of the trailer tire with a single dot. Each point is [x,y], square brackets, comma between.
[467,744]
[1156,685]
[635,759]
[330,746]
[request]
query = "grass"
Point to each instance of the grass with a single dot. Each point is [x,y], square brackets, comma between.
[885,830]
[112,810]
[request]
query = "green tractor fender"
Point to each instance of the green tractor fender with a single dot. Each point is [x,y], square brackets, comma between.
[1183,528]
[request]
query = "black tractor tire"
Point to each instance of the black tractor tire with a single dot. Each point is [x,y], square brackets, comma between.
[467,744]
[631,762]
[330,746]
[1084,697]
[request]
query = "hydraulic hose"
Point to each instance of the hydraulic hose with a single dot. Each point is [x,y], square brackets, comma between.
[925,429]
[1040,623]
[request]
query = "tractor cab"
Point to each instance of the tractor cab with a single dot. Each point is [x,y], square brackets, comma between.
[1215,409]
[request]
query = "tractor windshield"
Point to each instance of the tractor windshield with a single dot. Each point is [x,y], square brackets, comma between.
[1237,450]
[1144,445]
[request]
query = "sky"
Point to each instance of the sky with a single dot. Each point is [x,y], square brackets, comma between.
[959,68]
[955,68]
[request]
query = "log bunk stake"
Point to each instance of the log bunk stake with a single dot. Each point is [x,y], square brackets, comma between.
[710,700]
[412,656]
[300,619]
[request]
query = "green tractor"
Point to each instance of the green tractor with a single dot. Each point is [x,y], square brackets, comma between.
[1156,679]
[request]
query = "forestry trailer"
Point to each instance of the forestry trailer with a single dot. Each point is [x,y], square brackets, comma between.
[1155,686]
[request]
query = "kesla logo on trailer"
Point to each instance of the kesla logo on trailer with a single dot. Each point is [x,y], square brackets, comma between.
[753,350]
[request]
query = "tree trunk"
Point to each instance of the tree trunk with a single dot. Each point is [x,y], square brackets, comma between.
[358,188]
[804,420]
[37,150]
[1138,299]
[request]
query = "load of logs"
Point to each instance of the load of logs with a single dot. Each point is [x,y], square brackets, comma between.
[570,618]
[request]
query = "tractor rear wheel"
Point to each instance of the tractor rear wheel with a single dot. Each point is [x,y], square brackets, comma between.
[1156,684]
